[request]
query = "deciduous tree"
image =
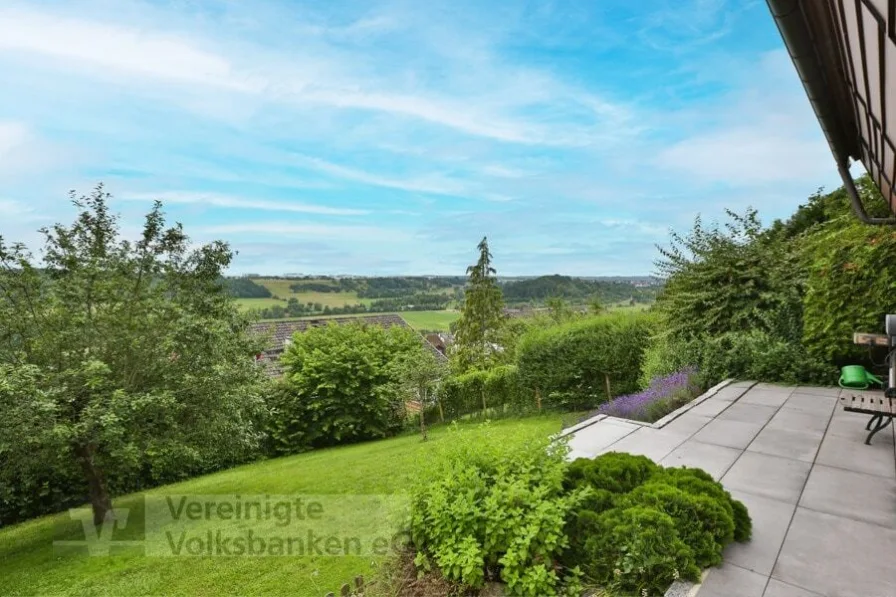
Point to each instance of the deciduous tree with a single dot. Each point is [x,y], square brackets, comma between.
[122,355]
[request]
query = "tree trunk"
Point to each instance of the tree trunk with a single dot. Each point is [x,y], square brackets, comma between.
[422,414]
[538,399]
[96,483]
[484,406]
[607,380]
[441,412]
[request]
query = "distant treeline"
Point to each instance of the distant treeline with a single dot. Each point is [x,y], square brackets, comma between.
[537,290]
[245,288]
[399,292]
[294,308]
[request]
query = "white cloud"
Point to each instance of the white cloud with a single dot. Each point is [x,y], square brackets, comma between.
[763,132]
[436,185]
[749,155]
[125,49]
[8,207]
[12,135]
[343,233]
[319,74]
[213,199]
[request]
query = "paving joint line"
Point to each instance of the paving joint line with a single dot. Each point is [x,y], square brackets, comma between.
[799,498]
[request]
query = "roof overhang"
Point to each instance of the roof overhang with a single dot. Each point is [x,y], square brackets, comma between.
[845,54]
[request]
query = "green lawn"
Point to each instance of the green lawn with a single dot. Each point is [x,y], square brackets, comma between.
[430,320]
[31,565]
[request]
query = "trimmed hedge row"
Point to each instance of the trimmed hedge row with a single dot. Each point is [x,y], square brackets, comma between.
[584,363]
[494,391]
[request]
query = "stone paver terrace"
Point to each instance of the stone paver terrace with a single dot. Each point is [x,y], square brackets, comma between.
[823,503]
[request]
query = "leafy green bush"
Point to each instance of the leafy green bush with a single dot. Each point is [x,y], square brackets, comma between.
[729,278]
[754,355]
[698,482]
[339,386]
[639,550]
[570,364]
[640,526]
[758,355]
[494,391]
[664,355]
[703,523]
[494,509]
[850,287]
[616,472]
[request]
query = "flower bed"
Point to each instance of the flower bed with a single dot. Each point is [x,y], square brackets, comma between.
[664,395]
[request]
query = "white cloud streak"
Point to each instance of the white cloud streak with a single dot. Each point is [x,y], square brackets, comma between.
[321,77]
[343,233]
[216,200]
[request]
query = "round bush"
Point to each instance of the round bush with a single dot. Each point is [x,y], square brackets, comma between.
[697,482]
[637,549]
[616,472]
[703,523]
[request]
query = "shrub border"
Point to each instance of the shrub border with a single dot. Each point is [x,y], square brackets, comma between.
[678,588]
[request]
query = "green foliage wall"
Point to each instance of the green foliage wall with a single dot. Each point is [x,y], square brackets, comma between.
[494,391]
[851,287]
[776,304]
[569,363]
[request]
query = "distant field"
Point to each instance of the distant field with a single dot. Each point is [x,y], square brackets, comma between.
[333,299]
[625,306]
[430,320]
[280,288]
[258,303]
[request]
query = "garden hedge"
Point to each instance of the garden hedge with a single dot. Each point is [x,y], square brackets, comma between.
[571,365]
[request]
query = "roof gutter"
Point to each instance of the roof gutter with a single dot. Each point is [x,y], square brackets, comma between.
[793,25]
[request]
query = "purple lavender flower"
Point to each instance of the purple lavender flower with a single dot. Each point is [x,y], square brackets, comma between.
[664,389]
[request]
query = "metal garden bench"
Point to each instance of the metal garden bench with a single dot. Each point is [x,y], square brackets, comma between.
[880,405]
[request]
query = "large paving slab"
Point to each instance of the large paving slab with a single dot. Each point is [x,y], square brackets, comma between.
[655,444]
[790,419]
[715,460]
[766,397]
[798,445]
[776,588]
[812,403]
[590,441]
[815,391]
[710,408]
[837,557]
[732,434]
[853,454]
[729,580]
[770,521]
[768,476]
[853,495]
[729,393]
[687,423]
[748,413]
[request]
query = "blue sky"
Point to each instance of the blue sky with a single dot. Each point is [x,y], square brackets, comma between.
[388,137]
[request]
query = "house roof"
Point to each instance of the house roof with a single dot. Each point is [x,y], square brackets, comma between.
[845,54]
[281,331]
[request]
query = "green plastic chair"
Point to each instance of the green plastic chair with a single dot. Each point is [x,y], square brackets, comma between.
[856,377]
